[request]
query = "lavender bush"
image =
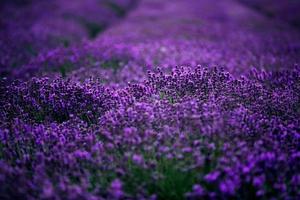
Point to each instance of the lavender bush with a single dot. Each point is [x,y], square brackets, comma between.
[180,100]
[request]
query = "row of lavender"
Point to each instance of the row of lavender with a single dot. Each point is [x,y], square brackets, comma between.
[195,133]
[80,131]
[31,27]
[186,33]
[282,10]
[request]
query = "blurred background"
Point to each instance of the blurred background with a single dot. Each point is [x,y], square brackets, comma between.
[29,28]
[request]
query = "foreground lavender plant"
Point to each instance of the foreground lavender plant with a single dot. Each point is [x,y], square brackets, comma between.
[196,133]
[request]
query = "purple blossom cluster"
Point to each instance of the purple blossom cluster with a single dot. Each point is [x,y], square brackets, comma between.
[206,105]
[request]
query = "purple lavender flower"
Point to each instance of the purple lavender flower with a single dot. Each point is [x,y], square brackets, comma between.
[137,159]
[116,189]
[211,177]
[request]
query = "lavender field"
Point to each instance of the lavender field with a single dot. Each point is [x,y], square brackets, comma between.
[149,99]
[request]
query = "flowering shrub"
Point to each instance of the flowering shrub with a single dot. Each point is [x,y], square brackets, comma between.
[209,135]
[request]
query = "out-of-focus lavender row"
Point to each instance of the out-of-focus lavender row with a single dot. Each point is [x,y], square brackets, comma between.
[28,28]
[213,33]
[287,10]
